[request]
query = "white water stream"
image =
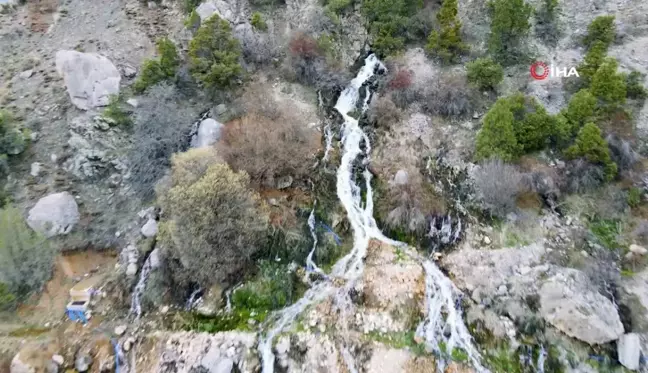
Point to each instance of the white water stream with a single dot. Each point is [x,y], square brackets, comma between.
[136,305]
[443,322]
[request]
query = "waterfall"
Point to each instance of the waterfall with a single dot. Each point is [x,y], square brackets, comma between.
[542,355]
[442,297]
[193,298]
[310,264]
[136,306]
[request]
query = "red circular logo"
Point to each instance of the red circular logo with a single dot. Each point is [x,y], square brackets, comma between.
[539,70]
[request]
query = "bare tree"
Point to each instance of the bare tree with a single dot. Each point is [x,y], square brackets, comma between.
[498,185]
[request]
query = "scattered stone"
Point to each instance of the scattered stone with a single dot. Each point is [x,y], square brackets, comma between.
[35,169]
[128,344]
[401,177]
[54,214]
[638,250]
[132,102]
[284,182]
[90,78]
[26,74]
[154,258]
[220,109]
[487,240]
[208,133]
[629,350]
[149,229]
[129,71]
[58,359]
[131,269]
[120,330]
[82,363]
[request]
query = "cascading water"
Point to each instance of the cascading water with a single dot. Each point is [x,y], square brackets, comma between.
[310,264]
[441,294]
[136,306]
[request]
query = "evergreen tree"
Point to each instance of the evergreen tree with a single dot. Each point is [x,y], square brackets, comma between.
[590,145]
[446,43]
[601,30]
[485,73]
[608,85]
[157,70]
[546,27]
[496,139]
[580,110]
[509,25]
[593,60]
[214,54]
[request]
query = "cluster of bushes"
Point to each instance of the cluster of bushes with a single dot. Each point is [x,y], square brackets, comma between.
[509,26]
[485,73]
[309,65]
[546,27]
[26,259]
[164,68]
[390,23]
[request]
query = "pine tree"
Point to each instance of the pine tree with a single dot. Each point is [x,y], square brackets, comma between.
[484,73]
[608,85]
[496,139]
[580,110]
[590,145]
[593,60]
[446,43]
[601,30]
[509,25]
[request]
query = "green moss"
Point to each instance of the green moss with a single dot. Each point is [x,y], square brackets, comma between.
[258,22]
[398,340]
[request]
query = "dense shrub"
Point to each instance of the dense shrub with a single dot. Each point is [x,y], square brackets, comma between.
[449,95]
[257,22]
[590,145]
[485,73]
[26,259]
[583,177]
[580,110]
[546,27]
[214,54]
[309,66]
[497,185]
[509,25]
[213,223]
[635,87]
[390,23]
[446,42]
[534,128]
[273,288]
[621,152]
[161,128]
[7,299]
[189,5]
[608,85]
[600,30]
[496,138]
[258,47]
[383,112]
[402,79]
[156,71]
[268,149]
[12,140]
[592,61]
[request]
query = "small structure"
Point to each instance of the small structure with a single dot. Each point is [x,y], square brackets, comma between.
[80,296]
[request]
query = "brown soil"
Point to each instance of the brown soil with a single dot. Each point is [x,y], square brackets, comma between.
[41,14]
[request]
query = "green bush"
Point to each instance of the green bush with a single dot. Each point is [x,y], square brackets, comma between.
[590,145]
[601,30]
[496,139]
[446,42]
[192,21]
[12,140]
[580,110]
[190,5]
[546,27]
[273,288]
[634,197]
[338,6]
[116,113]
[593,60]
[214,54]
[509,25]
[485,73]
[536,130]
[156,71]
[7,299]
[257,22]
[635,87]
[215,222]
[608,85]
[390,23]
[26,258]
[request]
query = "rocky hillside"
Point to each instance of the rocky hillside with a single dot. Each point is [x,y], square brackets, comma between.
[323,186]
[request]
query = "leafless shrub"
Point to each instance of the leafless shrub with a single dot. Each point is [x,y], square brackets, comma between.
[546,183]
[583,176]
[604,273]
[640,233]
[162,127]
[449,95]
[258,99]
[621,152]
[308,65]
[260,48]
[384,112]
[497,185]
[268,149]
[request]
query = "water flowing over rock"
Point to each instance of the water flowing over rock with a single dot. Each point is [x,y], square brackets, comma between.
[209,131]
[568,302]
[90,78]
[54,214]
[136,304]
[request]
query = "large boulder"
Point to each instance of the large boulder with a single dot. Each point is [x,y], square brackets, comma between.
[568,302]
[90,78]
[629,350]
[209,132]
[35,357]
[54,214]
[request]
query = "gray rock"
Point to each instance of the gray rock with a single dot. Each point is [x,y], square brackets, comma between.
[131,269]
[82,363]
[58,359]
[120,330]
[149,229]
[284,182]
[638,250]
[209,132]
[568,302]
[90,78]
[132,102]
[18,366]
[220,109]
[129,71]
[154,258]
[401,177]
[54,214]
[35,169]
[26,74]
[223,366]
[206,10]
[211,358]
[629,350]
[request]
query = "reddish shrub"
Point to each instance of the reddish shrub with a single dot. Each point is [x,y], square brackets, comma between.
[402,79]
[304,46]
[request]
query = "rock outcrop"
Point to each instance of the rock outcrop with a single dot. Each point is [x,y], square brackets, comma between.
[568,302]
[90,78]
[208,133]
[629,350]
[54,214]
